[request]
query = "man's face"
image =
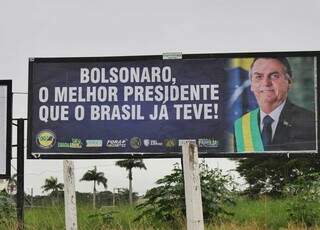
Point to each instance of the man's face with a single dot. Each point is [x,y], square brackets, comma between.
[269,82]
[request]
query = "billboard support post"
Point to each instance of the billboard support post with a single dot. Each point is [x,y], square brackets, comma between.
[20,173]
[69,195]
[192,187]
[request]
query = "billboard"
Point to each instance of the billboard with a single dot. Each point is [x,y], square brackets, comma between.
[5,127]
[116,107]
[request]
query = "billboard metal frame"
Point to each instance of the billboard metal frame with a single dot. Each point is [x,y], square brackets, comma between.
[171,154]
[8,84]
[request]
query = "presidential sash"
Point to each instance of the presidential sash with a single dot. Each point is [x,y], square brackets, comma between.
[247,133]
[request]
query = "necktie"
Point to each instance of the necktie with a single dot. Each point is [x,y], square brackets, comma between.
[266,133]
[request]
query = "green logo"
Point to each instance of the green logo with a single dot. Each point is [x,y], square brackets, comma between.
[46,139]
[75,143]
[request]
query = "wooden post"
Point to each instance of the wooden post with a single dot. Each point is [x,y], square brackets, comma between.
[192,187]
[69,196]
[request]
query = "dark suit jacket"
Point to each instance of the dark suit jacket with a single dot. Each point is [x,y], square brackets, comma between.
[296,130]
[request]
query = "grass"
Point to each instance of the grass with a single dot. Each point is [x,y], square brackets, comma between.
[261,214]
[255,226]
[265,212]
[49,217]
[52,217]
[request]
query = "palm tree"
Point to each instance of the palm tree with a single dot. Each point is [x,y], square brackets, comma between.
[51,184]
[96,177]
[129,164]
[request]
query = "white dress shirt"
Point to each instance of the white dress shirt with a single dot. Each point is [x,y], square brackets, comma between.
[275,114]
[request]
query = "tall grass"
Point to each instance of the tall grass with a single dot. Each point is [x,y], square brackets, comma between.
[255,226]
[265,212]
[48,217]
[261,214]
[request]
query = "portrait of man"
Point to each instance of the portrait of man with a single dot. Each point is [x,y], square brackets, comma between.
[277,124]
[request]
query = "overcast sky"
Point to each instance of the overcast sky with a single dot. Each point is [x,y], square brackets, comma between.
[39,28]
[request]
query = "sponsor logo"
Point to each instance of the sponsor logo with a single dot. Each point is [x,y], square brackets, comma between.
[210,143]
[148,142]
[46,139]
[169,143]
[93,143]
[75,143]
[116,143]
[183,141]
[135,142]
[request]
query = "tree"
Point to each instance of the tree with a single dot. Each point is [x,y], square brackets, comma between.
[129,164]
[51,184]
[166,202]
[269,175]
[97,178]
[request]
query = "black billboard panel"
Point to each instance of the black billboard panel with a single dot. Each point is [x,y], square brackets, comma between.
[233,105]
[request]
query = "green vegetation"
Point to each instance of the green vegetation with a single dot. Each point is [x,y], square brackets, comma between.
[97,178]
[129,164]
[7,210]
[263,213]
[248,214]
[292,204]
[166,203]
[51,184]
[271,175]
[47,217]
[305,196]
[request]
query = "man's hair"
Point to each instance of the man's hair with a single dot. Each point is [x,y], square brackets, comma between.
[284,61]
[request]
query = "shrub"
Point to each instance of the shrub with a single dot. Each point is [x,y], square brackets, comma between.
[7,210]
[106,216]
[305,204]
[166,202]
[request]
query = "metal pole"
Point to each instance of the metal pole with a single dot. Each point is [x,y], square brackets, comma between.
[20,174]
[181,159]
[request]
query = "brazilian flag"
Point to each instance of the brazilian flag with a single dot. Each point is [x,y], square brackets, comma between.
[240,99]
